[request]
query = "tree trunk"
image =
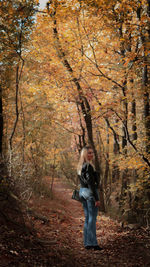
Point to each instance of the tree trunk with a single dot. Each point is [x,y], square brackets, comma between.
[116,150]
[145,76]
[124,141]
[146,108]
[134,131]
[106,161]
[134,128]
[125,120]
[1,121]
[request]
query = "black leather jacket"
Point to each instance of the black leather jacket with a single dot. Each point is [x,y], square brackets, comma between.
[89,179]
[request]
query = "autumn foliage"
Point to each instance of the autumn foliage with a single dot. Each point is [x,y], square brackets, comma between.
[78,75]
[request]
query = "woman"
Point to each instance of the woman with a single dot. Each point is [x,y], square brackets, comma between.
[89,195]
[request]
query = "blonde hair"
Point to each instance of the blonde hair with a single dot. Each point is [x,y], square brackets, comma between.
[83,158]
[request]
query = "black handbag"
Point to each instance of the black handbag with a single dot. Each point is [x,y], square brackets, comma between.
[75,195]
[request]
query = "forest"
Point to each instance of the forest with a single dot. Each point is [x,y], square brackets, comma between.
[72,74]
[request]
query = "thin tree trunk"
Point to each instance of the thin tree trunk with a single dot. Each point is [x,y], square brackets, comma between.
[125,118]
[82,141]
[106,173]
[17,111]
[23,127]
[146,108]
[145,76]
[134,131]
[134,128]
[1,121]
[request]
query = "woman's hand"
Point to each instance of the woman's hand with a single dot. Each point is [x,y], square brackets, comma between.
[97,203]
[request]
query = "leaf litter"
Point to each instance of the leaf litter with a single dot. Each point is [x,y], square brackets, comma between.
[59,240]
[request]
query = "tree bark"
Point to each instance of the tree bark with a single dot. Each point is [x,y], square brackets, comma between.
[1,121]
[146,108]
[145,77]
[134,128]
[17,111]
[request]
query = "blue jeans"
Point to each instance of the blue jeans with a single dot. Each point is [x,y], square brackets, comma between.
[90,211]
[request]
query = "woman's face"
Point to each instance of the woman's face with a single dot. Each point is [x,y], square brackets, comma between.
[90,154]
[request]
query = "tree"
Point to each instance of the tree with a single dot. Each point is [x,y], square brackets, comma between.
[15,28]
[84,62]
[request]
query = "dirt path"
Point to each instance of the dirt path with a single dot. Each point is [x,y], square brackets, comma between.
[58,238]
[121,247]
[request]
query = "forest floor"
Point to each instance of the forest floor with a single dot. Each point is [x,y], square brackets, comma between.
[58,237]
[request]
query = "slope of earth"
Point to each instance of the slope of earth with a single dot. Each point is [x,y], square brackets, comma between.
[57,240]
